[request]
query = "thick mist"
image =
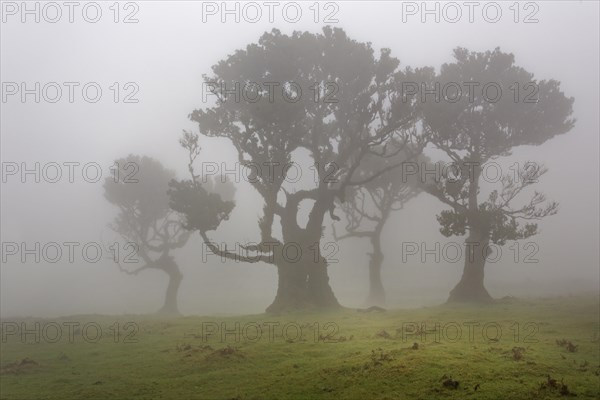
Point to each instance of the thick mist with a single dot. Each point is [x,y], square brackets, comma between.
[162,58]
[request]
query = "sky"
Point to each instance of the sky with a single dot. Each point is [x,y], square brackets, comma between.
[159,61]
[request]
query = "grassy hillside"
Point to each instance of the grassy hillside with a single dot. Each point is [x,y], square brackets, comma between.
[515,349]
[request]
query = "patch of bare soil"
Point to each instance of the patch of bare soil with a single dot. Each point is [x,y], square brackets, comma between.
[20,367]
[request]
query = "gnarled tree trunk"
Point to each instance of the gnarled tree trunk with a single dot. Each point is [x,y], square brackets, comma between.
[170,306]
[470,288]
[303,282]
[302,269]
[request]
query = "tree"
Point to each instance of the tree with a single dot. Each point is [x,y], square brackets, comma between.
[367,209]
[139,190]
[201,202]
[479,126]
[324,94]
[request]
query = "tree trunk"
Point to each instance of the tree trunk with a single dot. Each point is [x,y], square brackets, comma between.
[175,277]
[376,291]
[303,283]
[318,284]
[302,269]
[292,290]
[470,289]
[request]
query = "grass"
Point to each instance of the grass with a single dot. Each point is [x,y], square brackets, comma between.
[548,348]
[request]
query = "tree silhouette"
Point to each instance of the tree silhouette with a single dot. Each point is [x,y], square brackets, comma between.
[139,190]
[203,203]
[477,127]
[321,93]
[367,208]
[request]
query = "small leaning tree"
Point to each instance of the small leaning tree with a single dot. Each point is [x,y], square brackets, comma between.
[139,189]
[367,208]
[480,125]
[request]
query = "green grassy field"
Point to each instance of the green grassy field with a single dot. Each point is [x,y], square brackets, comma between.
[515,349]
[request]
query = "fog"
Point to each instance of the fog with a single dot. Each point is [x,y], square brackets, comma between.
[165,55]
